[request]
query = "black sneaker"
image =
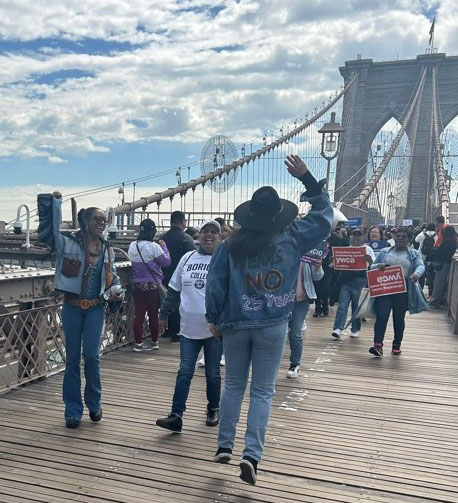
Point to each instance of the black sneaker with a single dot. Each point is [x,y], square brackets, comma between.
[212,417]
[223,455]
[72,423]
[316,315]
[171,422]
[95,415]
[175,338]
[248,470]
[376,350]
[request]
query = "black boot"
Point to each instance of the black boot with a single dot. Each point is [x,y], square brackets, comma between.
[248,470]
[171,422]
[72,423]
[212,417]
[95,415]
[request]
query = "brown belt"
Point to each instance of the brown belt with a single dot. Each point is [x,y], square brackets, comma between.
[83,303]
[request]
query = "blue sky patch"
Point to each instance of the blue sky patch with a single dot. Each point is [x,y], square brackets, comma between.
[138,123]
[62,75]
[230,48]
[430,11]
[213,11]
[91,46]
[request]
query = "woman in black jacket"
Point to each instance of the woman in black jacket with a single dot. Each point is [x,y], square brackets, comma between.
[440,259]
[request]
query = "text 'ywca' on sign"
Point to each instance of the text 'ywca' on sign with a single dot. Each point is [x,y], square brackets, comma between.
[349,258]
[387,282]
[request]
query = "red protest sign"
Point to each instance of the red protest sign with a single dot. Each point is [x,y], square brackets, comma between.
[387,282]
[349,258]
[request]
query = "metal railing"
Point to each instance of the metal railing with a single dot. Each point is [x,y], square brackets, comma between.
[452,294]
[32,341]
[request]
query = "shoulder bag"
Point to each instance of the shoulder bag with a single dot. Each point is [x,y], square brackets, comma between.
[162,290]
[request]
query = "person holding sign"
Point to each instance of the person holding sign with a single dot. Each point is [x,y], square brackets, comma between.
[353,278]
[412,265]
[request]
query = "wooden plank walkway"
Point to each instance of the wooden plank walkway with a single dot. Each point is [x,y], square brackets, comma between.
[350,429]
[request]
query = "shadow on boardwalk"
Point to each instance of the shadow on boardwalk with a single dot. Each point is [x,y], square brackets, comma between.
[350,429]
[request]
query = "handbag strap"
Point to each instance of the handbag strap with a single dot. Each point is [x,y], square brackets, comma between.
[146,264]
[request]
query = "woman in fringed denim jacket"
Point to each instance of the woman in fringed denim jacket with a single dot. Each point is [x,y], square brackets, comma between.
[85,273]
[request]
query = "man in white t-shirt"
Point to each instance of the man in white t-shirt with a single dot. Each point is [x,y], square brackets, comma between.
[187,291]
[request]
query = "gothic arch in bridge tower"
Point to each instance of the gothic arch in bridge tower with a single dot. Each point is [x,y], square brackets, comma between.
[387,203]
[385,90]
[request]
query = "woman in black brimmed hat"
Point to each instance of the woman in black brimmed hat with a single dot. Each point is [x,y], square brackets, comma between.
[249,297]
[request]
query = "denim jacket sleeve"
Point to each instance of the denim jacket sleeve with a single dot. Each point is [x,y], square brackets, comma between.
[217,286]
[50,216]
[316,225]
[418,265]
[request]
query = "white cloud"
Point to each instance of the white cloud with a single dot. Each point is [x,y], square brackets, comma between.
[278,62]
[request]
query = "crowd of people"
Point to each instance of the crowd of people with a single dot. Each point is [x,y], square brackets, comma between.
[239,292]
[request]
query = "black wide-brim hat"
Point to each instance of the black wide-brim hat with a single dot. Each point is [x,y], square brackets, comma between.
[265,210]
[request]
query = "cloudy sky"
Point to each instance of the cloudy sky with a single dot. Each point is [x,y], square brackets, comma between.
[94,93]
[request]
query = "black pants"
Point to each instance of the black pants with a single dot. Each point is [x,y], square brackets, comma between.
[174,318]
[323,291]
[336,283]
[383,306]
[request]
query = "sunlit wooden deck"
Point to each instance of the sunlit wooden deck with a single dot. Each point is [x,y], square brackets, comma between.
[350,429]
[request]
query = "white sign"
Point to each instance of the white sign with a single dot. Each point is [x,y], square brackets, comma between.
[406,223]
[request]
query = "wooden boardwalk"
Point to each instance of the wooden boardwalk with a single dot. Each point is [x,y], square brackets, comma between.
[350,429]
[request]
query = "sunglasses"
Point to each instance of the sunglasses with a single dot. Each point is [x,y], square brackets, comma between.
[100,220]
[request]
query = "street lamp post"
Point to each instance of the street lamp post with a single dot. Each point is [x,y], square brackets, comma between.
[330,132]
[390,199]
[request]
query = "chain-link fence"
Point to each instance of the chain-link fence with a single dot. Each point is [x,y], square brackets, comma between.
[32,341]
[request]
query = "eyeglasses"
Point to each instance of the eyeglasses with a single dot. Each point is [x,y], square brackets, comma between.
[100,220]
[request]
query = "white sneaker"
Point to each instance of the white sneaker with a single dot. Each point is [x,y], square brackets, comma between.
[293,371]
[222,361]
[337,333]
[304,326]
[354,334]
[155,345]
[201,362]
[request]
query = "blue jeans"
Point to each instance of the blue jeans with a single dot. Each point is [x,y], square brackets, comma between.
[300,311]
[189,351]
[349,292]
[263,349]
[82,327]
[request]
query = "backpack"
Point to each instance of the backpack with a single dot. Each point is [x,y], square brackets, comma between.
[428,244]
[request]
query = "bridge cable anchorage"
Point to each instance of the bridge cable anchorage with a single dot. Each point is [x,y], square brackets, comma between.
[378,173]
[192,184]
[441,175]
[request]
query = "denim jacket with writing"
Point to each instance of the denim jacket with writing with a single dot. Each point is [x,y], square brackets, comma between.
[260,291]
[70,256]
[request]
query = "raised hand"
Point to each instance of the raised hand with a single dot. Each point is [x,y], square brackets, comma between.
[296,166]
